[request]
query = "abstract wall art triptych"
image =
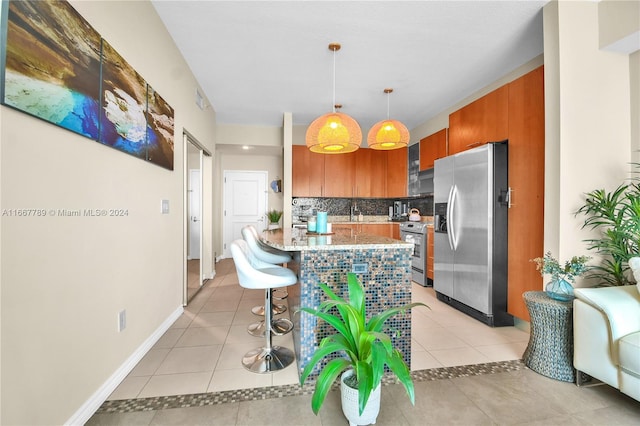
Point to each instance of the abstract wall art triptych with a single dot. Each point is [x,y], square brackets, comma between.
[56,67]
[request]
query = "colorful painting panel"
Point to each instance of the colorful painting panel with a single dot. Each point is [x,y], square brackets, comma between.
[160,130]
[52,65]
[123,123]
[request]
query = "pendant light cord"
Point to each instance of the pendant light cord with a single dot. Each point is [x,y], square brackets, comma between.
[388,95]
[334,81]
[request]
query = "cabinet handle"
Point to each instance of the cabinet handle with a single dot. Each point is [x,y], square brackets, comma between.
[509,195]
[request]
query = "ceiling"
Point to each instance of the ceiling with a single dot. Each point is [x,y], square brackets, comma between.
[255,60]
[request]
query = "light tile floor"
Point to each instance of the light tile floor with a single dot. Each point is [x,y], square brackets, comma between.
[201,352]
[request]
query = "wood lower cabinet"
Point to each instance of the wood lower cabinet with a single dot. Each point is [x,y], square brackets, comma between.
[431,148]
[430,252]
[483,120]
[383,229]
[307,172]
[397,172]
[526,180]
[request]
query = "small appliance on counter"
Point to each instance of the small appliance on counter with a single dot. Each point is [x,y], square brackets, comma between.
[399,211]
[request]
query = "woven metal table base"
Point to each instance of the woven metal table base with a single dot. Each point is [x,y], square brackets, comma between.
[550,348]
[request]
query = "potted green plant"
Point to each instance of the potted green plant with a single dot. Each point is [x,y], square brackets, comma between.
[365,350]
[274,218]
[562,277]
[616,214]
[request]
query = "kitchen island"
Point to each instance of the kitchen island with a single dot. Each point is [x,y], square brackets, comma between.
[383,266]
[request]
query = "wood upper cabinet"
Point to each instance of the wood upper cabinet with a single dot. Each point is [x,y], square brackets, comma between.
[397,172]
[526,180]
[307,172]
[366,173]
[339,175]
[370,173]
[431,148]
[484,120]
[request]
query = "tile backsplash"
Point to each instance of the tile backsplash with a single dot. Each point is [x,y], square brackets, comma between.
[304,207]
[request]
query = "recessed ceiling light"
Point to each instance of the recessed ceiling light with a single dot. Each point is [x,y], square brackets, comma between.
[245,147]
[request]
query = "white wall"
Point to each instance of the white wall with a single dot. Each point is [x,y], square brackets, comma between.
[588,120]
[64,279]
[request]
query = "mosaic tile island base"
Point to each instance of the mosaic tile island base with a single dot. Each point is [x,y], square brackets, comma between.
[385,266]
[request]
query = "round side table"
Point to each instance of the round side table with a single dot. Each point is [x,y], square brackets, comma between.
[550,348]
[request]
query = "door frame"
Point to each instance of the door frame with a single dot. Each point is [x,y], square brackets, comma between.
[189,140]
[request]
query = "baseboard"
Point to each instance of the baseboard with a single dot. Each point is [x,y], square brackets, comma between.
[90,406]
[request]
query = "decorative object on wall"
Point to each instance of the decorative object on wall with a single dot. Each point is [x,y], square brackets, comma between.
[53,62]
[52,65]
[276,185]
[123,123]
[388,134]
[159,130]
[334,132]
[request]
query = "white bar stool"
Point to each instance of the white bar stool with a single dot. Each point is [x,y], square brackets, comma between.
[270,255]
[254,274]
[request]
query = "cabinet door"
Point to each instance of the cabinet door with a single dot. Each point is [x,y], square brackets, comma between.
[430,252]
[431,148]
[339,175]
[307,172]
[370,173]
[526,179]
[484,120]
[397,172]
[395,231]
[380,229]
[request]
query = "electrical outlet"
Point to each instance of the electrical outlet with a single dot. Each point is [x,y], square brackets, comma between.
[122,320]
[360,268]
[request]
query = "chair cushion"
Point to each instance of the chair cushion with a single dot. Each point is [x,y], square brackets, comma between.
[634,264]
[629,353]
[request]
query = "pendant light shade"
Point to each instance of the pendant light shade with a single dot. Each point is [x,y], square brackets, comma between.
[388,134]
[334,132]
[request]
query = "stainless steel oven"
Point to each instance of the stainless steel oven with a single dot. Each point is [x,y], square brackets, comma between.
[416,233]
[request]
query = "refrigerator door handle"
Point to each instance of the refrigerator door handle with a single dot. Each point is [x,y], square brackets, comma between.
[449,222]
[452,220]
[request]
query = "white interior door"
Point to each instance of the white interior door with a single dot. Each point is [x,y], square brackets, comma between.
[194,214]
[245,203]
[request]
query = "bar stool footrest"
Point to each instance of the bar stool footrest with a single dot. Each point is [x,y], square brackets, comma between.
[279,327]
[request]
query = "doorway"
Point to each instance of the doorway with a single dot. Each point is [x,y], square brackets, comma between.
[245,203]
[194,275]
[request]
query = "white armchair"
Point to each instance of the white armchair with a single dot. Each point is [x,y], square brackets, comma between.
[606,327]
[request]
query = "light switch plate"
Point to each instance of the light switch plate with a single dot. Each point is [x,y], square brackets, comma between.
[164,207]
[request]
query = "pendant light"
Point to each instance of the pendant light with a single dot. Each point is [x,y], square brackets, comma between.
[388,134]
[334,132]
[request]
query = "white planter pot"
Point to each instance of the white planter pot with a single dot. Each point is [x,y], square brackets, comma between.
[350,403]
[273,226]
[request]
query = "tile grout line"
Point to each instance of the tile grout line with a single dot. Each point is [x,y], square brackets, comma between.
[253,394]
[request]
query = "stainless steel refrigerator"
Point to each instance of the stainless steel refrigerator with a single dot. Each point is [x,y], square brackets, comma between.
[470,232]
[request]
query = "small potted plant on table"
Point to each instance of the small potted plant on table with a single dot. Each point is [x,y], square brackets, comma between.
[366,350]
[562,277]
